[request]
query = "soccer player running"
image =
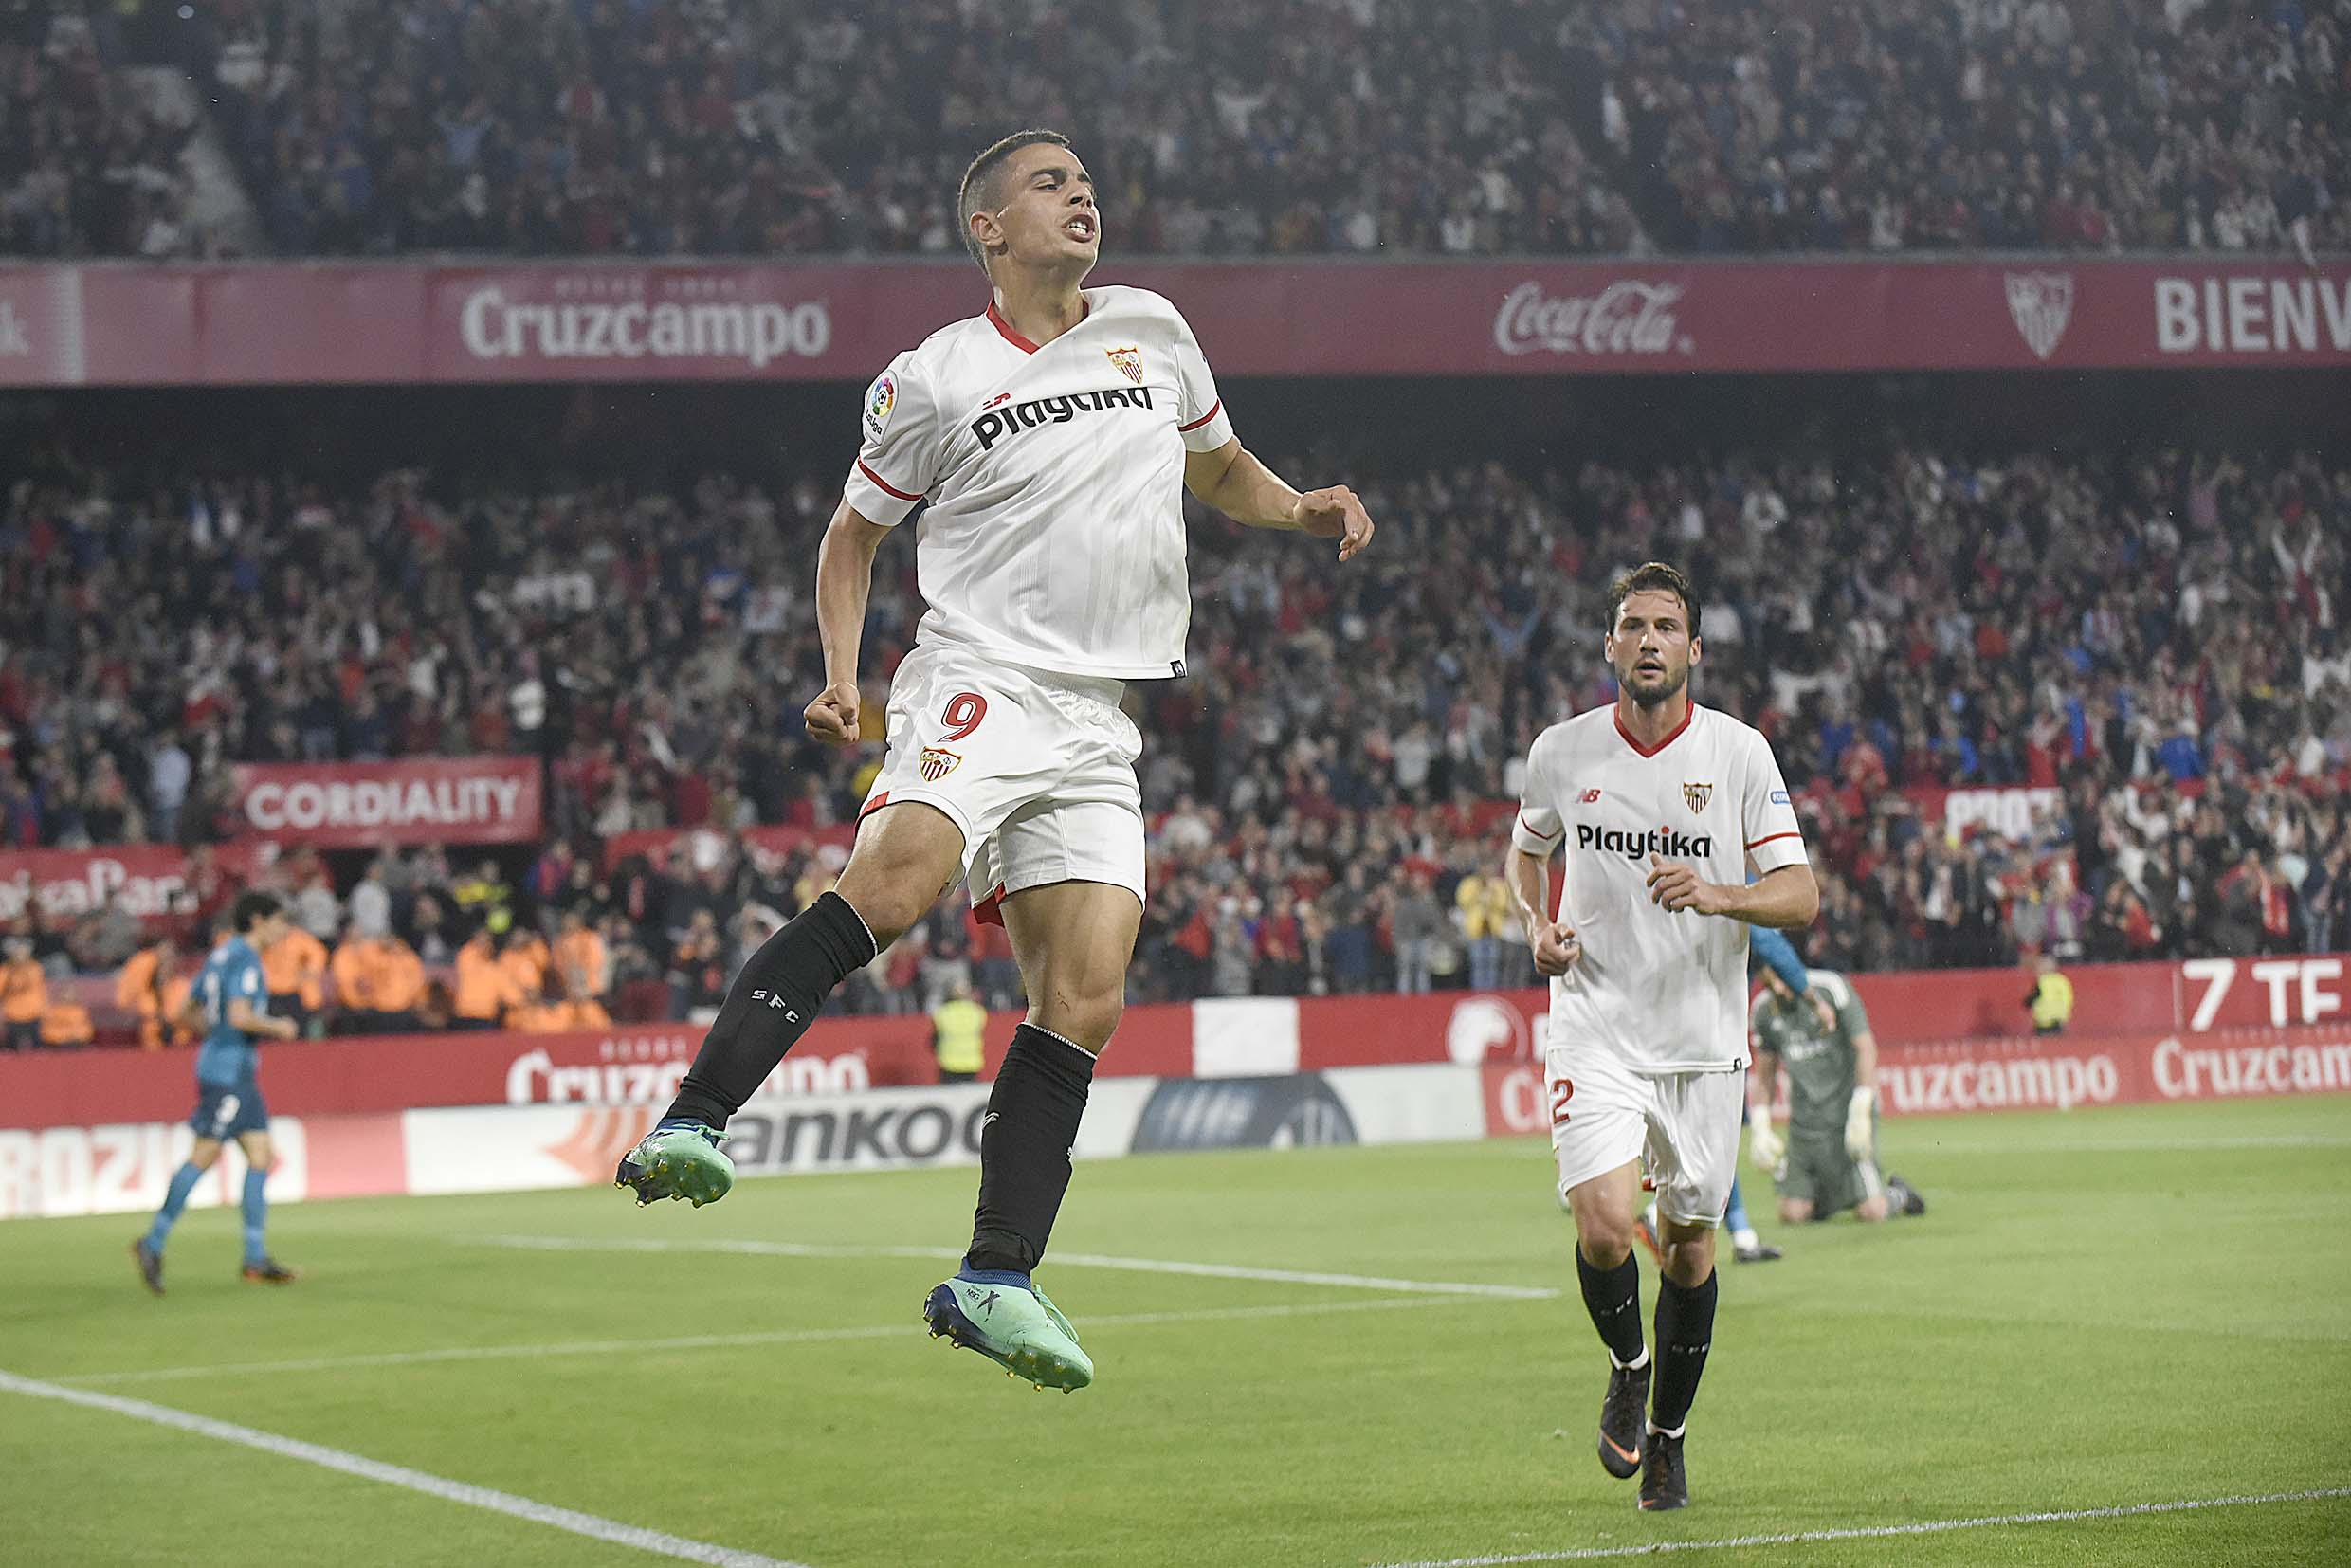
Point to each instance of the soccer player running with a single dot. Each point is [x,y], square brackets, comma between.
[230,1001]
[1662,808]
[1829,1162]
[1051,438]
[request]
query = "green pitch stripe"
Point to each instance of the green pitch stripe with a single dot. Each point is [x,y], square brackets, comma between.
[399,1475]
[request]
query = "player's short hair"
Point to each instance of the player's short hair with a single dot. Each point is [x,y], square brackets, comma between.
[251,909]
[1660,577]
[978,188]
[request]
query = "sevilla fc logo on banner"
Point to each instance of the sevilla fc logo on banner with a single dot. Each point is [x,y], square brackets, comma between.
[1130,363]
[2040,303]
[1697,794]
[936,763]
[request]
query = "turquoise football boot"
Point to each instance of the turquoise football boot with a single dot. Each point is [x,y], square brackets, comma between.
[1007,1318]
[677,1159]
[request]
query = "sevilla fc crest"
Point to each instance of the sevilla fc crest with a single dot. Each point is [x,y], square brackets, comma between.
[1697,794]
[1130,363]
[936,763]
[2040,303]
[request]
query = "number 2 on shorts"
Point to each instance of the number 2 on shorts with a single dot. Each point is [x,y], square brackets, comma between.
[965,710]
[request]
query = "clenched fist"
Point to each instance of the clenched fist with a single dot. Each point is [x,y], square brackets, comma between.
[1555,946]
[832,718]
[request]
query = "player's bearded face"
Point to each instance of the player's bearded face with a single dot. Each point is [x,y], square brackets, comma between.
[1650,647]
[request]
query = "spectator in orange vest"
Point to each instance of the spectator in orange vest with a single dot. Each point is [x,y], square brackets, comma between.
[379,983]
[294,967]
[580,963]
[526,960]
[67,1024]
[486,983]
[24,996]
[154,987]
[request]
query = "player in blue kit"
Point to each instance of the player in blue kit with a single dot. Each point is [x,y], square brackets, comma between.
[229,1001]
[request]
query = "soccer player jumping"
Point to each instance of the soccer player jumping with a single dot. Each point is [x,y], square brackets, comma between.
[1051,439]
[1661,808]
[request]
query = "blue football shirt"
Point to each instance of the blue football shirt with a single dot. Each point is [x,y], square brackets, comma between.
[233,970]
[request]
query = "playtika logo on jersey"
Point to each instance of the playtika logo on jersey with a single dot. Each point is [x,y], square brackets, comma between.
[1639,847]
[995,424]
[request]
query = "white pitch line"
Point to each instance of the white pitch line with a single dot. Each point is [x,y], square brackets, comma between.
[1925,1527]
[1089,1260]
[712,1342]
[2124,1146]
[399,1475]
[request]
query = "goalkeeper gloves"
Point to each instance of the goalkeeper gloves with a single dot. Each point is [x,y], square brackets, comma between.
[1764,1145]
[1861,1127]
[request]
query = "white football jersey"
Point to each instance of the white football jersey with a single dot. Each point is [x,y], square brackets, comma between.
[1659,991]
[1054,533]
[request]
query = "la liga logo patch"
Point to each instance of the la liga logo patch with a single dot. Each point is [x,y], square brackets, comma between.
[880,398]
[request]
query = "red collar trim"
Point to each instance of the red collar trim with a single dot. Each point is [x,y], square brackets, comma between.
[1689,714]
[1005,328]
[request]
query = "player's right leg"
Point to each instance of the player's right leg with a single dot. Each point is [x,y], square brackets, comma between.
[1598,1128]
[259,1266]
[905,856]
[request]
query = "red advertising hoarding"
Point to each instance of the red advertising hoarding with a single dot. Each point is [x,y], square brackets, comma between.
[416,800]
[149,881]
[407,325]
[2056,1073]
[1921,1018]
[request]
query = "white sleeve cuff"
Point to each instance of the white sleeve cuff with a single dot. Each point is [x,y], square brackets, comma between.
[1780,850]
[1209,431]
[1527,841]
[876,499]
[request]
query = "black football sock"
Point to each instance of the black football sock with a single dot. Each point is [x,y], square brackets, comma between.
[770,1005]
[1684,1331]
[1024,1148]
[1612,1296]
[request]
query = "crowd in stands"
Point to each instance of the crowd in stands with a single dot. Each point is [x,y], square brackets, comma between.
[2154,639]
[1995,124]
[87,166]
[683,127]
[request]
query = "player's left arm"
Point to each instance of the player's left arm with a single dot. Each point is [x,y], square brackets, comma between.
[1228,476]
[1233,479]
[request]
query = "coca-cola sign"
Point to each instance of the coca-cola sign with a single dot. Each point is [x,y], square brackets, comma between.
[1626,316]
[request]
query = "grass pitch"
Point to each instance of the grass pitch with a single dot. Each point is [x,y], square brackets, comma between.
[2101,1309]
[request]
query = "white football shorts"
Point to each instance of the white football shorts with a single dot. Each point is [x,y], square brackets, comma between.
[1682,1126]
[1036,768]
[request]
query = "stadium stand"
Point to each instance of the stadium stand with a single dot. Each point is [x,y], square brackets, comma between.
[2154,637]
[1367,126]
